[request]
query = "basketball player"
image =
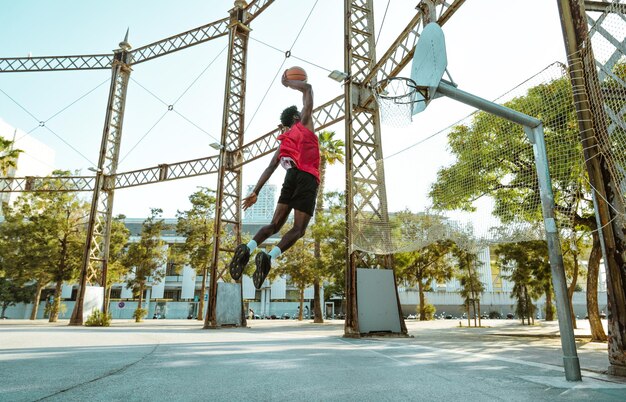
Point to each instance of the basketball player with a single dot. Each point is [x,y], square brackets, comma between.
[299,154]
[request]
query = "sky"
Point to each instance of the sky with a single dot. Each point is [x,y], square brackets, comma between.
[492,45]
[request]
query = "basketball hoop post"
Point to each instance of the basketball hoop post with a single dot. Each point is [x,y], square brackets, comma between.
[534,131]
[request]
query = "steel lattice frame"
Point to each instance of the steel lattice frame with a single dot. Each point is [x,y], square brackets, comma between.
[229,186]
[95,260]
[366,198]
[364,121]
[365,187]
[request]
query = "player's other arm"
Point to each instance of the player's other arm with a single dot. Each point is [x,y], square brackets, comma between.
[267,173]
[306,114]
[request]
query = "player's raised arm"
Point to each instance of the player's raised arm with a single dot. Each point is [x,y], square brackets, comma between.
[306,115]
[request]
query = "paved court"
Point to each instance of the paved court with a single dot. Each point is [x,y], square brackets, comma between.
[172,360]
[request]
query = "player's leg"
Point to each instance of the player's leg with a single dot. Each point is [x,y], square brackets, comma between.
[243,251]
[300,223]
[263,261]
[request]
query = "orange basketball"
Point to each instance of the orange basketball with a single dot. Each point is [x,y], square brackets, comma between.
[296,74]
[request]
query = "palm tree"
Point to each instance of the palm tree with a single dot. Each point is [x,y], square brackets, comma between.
[8,155]
[331,152]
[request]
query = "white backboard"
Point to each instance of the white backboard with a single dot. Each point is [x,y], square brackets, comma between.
[429,63]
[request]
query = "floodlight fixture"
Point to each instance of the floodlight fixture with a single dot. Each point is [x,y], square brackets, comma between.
[338,76]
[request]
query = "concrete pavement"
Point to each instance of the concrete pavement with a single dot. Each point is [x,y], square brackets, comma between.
[172,360]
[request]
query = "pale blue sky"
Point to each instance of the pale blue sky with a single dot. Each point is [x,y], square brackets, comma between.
[492,46]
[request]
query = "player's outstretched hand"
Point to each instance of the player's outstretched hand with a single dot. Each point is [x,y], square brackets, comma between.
[249,201]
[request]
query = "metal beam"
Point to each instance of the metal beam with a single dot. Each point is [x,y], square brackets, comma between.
[325,115]
[598,6]
[181,41]
[56,63]
[160,48]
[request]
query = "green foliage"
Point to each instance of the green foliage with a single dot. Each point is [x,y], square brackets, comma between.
[43,238]
[429,311]
[527,265]
[494,158]
[116,269]
[298,263]
[54,309]
[98,319]
[468,275]
[428,264]
[8,155]
[139,314]
[494,315]
[329,232]
[196,225]
[13,292]
[148,254]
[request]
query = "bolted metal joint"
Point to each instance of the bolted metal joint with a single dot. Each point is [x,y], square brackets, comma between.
[429,12]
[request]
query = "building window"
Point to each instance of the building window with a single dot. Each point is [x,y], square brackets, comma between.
[170,269]
[116,293]
[171,294]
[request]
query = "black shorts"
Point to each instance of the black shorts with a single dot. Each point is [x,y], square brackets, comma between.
[299,191]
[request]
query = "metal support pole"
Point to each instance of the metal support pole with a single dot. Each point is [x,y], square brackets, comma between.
[534,131]
[566,328]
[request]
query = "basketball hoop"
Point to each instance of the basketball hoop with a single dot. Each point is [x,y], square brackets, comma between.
[395,97]
[399,98]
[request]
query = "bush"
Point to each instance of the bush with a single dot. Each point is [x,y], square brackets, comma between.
[139,314]
[429,310]
[98,319]
[494,315]
[49,309]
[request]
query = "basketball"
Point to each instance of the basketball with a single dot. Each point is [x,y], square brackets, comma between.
[296,74]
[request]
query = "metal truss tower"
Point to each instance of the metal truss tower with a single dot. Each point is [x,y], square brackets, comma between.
[366,198]
[229,186]
[357,104]
[96,256]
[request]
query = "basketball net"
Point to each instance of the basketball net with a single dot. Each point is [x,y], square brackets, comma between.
[395,98]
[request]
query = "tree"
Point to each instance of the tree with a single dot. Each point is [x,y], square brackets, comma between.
[61,219]
[146,256]
[330,225]
[528,266]
[118,243]
[43,240]
[579,243]
[495,159]
[300,267]
[331,152]
[23,254]
[471,285]
[8,155]
[428,264]
[197,226]
[13,292]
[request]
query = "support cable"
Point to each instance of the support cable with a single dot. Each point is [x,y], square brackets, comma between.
[382,23]
[63,109]
[70,145]
[42,123]
[295,57]
[143,137]
[170,107]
